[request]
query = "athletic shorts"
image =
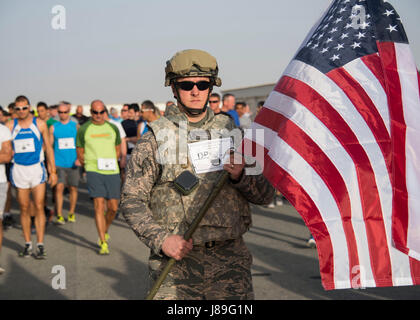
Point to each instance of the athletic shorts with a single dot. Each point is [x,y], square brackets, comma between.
[106,186]
[3,197]
[27,177]
[68,176]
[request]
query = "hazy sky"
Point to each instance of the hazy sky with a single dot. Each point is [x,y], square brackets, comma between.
[116,50]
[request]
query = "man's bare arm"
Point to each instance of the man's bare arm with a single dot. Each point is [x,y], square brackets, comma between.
[81,155]
[6,152]
[123,157]
[118,151]
[51,133]
[49,151]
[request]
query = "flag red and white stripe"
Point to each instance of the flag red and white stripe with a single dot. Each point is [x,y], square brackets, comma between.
[402,80]
[343,148]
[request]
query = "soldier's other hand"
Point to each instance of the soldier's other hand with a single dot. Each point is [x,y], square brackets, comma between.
[235,166]
[176,247]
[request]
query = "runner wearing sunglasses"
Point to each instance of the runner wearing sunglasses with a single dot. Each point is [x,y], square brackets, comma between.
[215,263]
[28,173]
[63,139]
[98,147]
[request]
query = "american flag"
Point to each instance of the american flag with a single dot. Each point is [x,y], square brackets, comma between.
[342,143]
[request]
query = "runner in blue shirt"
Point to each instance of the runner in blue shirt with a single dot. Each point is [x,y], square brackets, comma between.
[28,174]
[63,139]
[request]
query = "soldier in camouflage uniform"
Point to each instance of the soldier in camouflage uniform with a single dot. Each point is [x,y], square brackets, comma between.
[215,263]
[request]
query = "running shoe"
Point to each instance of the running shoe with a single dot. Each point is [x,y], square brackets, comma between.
[104,248]
[2,270]
[71,217]
[27,251]
[60,220]
[107,238]
[40,252]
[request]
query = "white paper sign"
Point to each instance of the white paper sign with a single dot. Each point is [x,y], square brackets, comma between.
[107,164]
[209,155]
[24,145]
[66,143]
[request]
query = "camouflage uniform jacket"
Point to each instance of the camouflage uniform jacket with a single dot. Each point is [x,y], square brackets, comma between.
[152,206]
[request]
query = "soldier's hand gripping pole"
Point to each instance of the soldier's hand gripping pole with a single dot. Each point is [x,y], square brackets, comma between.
[188,234]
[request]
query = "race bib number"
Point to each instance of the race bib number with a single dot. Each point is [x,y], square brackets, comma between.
[107,164]
[66,143]
[24,145]
[208,156]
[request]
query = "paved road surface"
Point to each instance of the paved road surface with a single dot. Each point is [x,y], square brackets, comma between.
[284,268]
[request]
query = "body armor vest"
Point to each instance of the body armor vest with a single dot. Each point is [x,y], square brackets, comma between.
[229,215]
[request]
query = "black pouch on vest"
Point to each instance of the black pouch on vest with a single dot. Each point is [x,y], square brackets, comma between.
[186,182]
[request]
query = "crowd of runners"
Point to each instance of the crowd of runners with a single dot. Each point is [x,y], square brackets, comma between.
[48,145]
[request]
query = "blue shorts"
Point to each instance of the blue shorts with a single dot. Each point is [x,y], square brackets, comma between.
[103,185]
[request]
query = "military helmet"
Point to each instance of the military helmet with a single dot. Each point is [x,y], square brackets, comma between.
[192,63]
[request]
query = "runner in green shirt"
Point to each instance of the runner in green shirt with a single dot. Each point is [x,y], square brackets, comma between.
[98,149]
[99,142]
